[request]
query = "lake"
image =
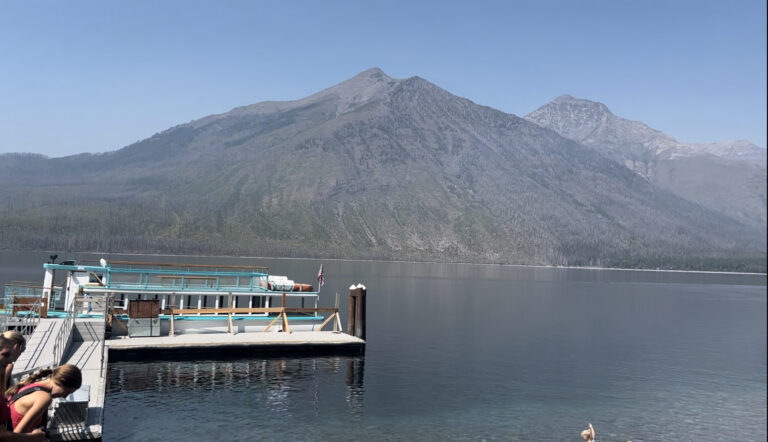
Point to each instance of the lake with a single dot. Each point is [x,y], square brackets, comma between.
[474,352]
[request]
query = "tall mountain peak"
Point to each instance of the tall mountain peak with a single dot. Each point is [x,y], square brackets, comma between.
[566,98]
[579,105]
[728,177]
[348,94]
[591,123]
[373,73]
[356,90]
[574,118]
[370,78]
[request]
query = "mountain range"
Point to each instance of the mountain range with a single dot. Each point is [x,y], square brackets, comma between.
[728,177]
[384,168]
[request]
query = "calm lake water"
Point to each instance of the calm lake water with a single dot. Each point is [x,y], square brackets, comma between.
[471,352]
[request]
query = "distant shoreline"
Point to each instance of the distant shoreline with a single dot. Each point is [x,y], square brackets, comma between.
[711,272]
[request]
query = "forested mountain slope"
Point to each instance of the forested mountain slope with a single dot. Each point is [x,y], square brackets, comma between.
[374,167]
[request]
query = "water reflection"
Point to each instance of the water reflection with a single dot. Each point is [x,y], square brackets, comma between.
[275,382]
[355,391]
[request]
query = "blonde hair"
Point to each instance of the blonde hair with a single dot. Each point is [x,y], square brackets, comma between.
[67,376]
[16,337]
[5,342]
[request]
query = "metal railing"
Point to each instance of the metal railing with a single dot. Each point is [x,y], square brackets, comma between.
[119,276]
[64,336]
[23,305]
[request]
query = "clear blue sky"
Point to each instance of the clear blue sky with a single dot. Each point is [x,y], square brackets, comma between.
[95,76]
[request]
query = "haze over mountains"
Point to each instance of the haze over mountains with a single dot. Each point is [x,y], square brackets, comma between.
[729,177]
[377,167]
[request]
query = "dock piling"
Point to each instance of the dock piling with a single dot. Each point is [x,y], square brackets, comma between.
[352,310]
[356,317]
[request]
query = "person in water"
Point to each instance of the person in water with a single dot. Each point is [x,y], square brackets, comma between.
[19,345]
[6,428]
[29,399]
[588,434]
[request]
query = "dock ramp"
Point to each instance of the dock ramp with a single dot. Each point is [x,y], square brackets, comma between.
[40,347]
[86,351]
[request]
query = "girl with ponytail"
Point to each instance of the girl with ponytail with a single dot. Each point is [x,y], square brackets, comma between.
[30,398]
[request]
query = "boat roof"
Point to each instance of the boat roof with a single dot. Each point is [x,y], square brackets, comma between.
[169,278]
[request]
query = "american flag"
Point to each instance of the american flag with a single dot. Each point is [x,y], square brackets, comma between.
[320,277]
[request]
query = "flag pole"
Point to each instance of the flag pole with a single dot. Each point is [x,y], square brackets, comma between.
[320,279]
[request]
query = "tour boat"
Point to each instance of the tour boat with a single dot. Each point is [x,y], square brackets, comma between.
[152,299]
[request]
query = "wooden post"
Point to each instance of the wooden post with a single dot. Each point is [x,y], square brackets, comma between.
[336,321]
[337,324]
[357,311]
[352,310]
[173,306]
[286,328]
[229,315]
[360,331]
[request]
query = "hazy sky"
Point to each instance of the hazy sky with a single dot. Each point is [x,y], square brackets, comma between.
[95,76]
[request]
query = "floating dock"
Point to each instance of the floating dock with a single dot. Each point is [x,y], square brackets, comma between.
[241,345]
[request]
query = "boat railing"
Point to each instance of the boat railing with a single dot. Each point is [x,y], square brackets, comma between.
[23,306]
[282,315]
[202,299]
[128,275]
